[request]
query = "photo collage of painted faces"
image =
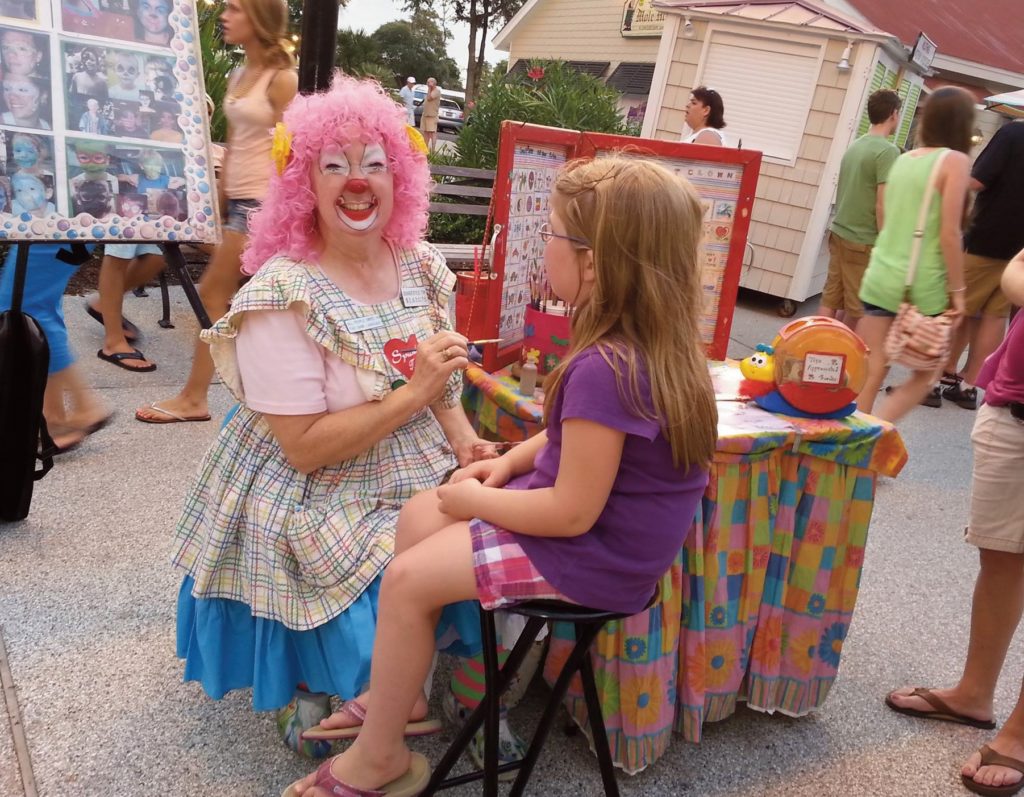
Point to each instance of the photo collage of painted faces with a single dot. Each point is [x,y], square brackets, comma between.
[88,113]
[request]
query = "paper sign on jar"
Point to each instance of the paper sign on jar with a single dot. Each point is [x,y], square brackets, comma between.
[824,369]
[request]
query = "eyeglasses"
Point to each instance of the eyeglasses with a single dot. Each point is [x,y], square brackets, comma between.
[546,234]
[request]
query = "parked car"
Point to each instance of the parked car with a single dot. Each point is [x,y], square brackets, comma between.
[449,119]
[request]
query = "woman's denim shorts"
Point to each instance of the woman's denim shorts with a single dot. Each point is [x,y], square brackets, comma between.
[238,214]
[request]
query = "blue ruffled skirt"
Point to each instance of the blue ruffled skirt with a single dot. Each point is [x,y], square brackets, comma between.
[225,647]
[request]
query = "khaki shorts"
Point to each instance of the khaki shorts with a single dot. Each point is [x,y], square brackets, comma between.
[846,264]
[984,296]
[997,484]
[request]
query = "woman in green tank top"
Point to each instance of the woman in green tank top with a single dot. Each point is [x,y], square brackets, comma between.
[946,125]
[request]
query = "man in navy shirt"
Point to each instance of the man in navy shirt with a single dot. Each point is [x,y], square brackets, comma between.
[995,235]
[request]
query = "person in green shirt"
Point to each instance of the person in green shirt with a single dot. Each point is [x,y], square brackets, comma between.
[944,132]
[862,176]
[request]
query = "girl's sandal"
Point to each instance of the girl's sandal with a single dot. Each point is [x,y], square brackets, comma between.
[357,711]
[410,784]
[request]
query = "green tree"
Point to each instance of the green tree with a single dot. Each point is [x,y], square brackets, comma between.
[416,47]
[356,51]
[482,16]
[557,95]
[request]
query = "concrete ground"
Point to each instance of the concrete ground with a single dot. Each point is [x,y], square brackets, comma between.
[87,618]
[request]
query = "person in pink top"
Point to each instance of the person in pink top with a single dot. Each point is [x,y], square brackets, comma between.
[258,92]
[996,526]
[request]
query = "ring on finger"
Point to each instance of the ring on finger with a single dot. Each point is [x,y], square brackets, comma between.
[445,355]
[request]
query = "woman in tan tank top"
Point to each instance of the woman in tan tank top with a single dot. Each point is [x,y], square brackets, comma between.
[258,92]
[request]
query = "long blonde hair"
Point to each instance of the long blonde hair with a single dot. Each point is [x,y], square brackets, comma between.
[269,20]
[643,225]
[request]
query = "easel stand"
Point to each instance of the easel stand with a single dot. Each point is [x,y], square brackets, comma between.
[176,261]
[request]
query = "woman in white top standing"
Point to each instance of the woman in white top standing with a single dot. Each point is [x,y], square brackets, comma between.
[705,116]
[258,92]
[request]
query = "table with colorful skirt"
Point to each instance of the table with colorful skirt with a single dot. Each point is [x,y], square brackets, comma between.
[758,604]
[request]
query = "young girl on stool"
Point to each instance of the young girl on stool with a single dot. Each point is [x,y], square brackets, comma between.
[594,509]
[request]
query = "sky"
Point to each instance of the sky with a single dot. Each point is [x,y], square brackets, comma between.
[368,15]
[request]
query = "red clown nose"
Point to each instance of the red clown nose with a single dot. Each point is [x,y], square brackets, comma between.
[357,185]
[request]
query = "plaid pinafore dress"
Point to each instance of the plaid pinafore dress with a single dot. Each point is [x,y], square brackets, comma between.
[299,549]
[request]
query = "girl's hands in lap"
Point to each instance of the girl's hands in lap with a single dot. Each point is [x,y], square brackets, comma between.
[437,358]
[458,500]
[488,472]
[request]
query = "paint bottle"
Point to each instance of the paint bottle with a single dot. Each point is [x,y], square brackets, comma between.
[528,376]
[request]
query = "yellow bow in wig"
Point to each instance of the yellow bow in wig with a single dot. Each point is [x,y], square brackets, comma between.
[416,139]
[281,149]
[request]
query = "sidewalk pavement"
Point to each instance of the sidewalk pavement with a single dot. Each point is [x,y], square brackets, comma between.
[87,616]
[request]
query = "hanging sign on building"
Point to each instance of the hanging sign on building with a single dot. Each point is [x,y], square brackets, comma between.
[640,19]
[924,51]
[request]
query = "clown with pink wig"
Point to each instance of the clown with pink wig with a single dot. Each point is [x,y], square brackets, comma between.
[348,375]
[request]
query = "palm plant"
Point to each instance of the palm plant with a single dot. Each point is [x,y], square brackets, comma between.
[218,61]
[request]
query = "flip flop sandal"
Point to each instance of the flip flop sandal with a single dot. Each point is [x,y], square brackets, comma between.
[356,710]
[941,712]
[990,757]
[172,417]
[131,332]
[118,358]
[410,784]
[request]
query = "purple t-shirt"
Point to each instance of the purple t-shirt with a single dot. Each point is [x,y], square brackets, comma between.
[616,565]
[1002,376]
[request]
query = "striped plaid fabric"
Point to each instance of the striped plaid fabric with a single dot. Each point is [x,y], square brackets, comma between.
[300,549]
[282,282]
[504,573]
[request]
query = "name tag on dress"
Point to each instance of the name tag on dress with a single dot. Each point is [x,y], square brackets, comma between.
[415,297]
[364,323]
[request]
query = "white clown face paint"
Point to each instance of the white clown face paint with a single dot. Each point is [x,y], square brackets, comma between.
[354,187]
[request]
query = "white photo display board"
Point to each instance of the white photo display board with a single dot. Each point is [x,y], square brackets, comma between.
[103,127]
[534,167]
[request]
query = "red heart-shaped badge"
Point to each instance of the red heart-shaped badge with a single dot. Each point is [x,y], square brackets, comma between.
[401,355]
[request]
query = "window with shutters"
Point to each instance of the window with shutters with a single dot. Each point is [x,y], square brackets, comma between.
[882,79]
[767,86]
[910,93]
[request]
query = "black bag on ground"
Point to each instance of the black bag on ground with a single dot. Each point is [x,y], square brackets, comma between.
[24,440]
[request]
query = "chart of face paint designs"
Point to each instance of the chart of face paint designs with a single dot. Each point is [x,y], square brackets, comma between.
[533,176]
[718,186]
[103,128]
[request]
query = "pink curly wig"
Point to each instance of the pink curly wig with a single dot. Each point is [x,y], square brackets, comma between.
[286,223]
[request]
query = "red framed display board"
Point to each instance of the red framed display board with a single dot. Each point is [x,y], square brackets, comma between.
[529,157]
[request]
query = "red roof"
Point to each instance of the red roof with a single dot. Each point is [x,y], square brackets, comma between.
[988,32]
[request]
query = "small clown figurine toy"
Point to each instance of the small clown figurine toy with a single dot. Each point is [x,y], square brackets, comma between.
[348,375]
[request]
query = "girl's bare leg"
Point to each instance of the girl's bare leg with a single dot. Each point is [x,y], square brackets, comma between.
[417,584]
[420,518]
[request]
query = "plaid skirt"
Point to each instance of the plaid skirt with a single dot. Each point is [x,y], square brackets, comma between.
[504,574]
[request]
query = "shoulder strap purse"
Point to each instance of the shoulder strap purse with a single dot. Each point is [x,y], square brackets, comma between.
[916,340]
